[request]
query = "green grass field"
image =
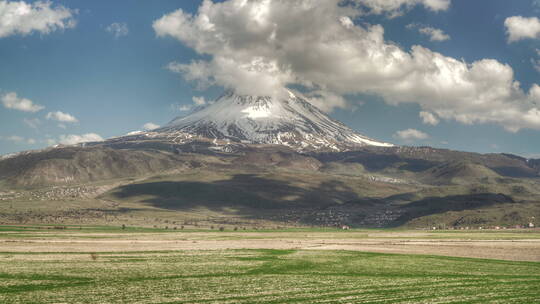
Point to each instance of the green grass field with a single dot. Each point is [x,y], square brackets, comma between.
[263,276]
[102,275]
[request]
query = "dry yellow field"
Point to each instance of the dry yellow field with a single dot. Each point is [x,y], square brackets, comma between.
[517,245]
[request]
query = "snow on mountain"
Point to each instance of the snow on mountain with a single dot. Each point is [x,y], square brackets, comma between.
[291,121]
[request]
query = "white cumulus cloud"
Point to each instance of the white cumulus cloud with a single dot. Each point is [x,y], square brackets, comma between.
[61,117]
[118,29]
[199,100]
[150,126]
[184,108]
[410,135]
[73,139]
[260,47]
[518,28]
[434,34]
[325,100]
[12,101]
[428,118]
[22,18]
[394,8]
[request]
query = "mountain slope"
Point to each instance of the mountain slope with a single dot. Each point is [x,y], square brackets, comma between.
[457,172]
[72,165]
[291,121]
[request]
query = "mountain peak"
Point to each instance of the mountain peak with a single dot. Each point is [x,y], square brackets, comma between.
[290,120]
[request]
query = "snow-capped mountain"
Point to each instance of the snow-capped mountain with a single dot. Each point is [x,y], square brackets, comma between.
[290,121]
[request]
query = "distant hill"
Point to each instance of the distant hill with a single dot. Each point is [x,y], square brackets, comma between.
[458,172]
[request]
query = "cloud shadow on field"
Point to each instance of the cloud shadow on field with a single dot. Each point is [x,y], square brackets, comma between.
[246,192]
[438,205]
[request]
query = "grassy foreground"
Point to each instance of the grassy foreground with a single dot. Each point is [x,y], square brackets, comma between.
[262,276]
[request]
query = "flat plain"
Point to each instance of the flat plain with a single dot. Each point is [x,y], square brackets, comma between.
[141,265]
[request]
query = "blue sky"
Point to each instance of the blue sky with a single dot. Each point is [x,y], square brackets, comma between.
[107,83]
